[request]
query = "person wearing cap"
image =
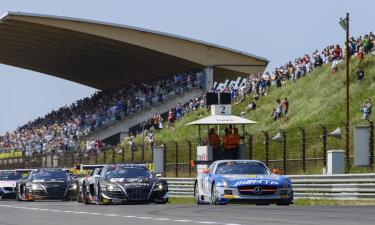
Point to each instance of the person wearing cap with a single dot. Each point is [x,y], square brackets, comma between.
[214,142]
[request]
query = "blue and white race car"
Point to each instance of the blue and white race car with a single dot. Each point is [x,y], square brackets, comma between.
[242,181]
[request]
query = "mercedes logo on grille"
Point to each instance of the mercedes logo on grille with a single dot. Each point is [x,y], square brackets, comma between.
[258,190]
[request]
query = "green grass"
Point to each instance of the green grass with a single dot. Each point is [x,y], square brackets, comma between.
[297,202]
[327,202]
[317,98]
[181,201]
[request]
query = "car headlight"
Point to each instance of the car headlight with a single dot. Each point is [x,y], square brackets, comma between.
[225,184]
[159,186]
[36,187]
[73,187]
[112,187]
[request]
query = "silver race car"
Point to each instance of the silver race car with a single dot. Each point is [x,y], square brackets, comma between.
[8,180]
[242,181]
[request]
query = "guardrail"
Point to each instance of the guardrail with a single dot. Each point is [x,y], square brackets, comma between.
[344,187]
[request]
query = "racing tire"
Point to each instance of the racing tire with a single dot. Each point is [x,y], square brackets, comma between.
[18,195]
[196,194]
[284,202]
[65,199]
[24,195]
[162,201]
[262,204]
[79,196]
[84,195]
[100,200]
[214,200]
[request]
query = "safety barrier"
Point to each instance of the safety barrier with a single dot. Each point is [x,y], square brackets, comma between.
[345,186]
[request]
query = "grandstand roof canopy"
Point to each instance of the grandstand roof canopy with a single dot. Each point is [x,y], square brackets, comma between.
[104,55]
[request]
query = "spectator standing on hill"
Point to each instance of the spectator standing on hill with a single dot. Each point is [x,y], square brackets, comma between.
[366,109]
[279,109]
[179,111]
[251,106]
[334,66]
[171,118]
[360,54]
[274,114]
[286,104]
[360,74]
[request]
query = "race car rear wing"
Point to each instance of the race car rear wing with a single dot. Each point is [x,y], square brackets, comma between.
[82,167]
[24,170]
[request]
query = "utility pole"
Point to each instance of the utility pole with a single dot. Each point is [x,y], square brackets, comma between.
[345,25]
[347,147]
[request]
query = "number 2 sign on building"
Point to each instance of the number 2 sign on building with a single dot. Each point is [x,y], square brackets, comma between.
[221,110]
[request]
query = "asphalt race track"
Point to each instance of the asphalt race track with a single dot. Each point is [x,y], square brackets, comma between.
[64,213]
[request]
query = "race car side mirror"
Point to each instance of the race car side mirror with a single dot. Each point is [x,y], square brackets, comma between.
[205,170]
[276,171]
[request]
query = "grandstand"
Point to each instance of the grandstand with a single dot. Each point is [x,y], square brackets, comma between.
[138,72]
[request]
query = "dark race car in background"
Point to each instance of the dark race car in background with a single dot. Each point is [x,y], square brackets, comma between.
[8,180]
[47,183]
[125,183]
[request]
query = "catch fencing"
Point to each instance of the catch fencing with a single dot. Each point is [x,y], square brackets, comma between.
[293,151]
[339,187]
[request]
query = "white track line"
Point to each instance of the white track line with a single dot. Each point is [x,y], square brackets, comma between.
[116,215]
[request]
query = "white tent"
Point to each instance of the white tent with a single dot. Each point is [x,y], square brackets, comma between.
[222,120]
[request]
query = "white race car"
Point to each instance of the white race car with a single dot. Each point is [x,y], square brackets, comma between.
[8,180]
[242,181]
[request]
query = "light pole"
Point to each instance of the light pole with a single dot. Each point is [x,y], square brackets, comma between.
[345,25]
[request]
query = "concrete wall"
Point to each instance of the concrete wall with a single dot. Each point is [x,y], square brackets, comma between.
[132,120]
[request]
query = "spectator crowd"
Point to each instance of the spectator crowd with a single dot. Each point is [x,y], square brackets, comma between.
[61,129]
[258,85]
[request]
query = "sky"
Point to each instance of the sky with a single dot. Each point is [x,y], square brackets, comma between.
[277,30]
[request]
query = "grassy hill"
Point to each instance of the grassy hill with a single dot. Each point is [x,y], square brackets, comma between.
[317,98]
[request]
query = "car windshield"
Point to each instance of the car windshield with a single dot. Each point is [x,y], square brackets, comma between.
[50,175]
[241,167]
[10,175]
[128,172]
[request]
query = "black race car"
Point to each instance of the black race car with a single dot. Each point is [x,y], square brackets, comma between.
[47,183]
[125,183]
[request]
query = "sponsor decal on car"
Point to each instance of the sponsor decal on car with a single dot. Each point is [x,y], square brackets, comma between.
[133,180]
[136,184]
[256,181]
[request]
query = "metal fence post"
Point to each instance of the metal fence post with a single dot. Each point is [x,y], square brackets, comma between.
[152,151]
[371,143]
[96,157]
[284,152]
[123,154]
[176,159]
[165,159]
[266,145]
[303,148]
[132,150]
[105,156]
[250,143]
[190,157]
[113,155]
[324,140]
